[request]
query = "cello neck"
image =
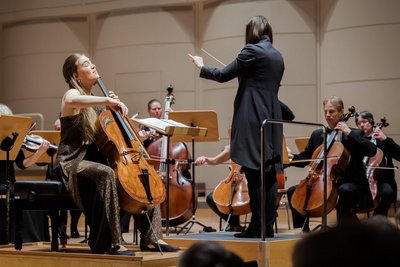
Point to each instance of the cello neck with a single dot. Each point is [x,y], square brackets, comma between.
[164,140]
[125,128]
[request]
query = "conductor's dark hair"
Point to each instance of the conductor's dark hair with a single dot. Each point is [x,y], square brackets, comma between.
[257,27]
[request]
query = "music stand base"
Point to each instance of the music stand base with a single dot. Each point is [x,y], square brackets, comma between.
[190,224]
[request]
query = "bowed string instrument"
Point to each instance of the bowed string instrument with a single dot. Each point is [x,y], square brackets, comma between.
[373,165]
[308,198]
[179,185]
[139,186]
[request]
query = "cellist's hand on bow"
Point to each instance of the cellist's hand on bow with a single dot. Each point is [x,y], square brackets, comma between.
[201,161]
[379,135]
[342,126]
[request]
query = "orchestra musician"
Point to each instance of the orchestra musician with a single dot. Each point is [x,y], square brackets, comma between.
[259,68]
[84,171]
[353,188]
[35,225]
[387,186]
[224,155]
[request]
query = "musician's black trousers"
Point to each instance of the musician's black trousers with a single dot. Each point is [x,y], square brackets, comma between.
[254,185]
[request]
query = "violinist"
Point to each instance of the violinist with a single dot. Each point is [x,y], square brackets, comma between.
[353,188]
[150,237]
[84,171]
[35,226]
[387,186]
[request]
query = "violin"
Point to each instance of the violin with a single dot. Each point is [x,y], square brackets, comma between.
[139,186]
[180,188]
[308,198]
[32,143]
[372,165]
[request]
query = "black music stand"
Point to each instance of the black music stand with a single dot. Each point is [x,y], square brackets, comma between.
[196,118]
[170,128]
[263,215]
[12,133]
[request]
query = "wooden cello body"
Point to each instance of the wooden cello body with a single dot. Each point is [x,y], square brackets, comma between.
[180,187]
[231,195]
[308,198]
[139,186]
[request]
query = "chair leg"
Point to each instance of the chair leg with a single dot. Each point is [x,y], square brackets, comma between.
[55,231]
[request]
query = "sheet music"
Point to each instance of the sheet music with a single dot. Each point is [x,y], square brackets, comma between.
[162,123]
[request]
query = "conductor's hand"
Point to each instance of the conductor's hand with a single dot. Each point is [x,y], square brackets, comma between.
[197,61]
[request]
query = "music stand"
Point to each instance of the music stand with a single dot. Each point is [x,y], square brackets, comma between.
[301,143]
[196,118]
[170,128]
[12,133]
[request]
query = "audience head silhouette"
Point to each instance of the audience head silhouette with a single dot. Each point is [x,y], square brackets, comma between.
[211,254]
[372,242]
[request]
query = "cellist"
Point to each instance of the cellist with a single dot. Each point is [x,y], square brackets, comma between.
[84,171]
[387,186]
[353,188]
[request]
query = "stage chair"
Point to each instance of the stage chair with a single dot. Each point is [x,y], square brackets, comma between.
[47,195]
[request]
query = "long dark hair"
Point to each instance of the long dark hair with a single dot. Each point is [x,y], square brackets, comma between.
[257,27]
[89,114]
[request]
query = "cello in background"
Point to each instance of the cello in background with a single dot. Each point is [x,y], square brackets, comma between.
[139,186]
[180,187]
[231,195]
[372,165]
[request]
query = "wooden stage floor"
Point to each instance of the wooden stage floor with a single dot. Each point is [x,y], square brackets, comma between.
[274,252]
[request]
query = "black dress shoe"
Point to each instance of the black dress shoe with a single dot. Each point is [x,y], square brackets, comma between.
[163,248]
[75,234]
[237,228]
[248,234]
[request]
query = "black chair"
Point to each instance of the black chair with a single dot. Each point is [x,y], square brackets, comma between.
[46,195]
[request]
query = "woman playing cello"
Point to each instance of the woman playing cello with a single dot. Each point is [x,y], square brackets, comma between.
[85,173]
[352,187]
[387,186]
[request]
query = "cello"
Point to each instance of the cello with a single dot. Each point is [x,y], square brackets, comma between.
[308,197]
[139,186]
[180,187]
[231,195]
[372,165]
